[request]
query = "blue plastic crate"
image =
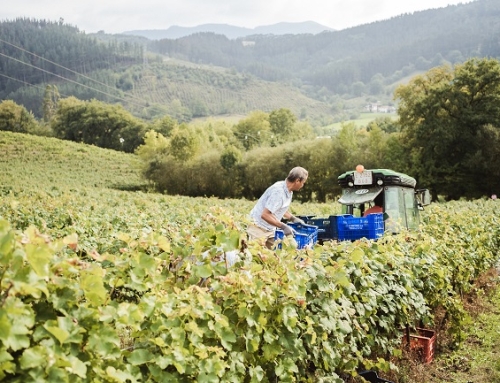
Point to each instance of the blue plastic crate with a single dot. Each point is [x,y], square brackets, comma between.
[351,228]
[327,227]
[306,235]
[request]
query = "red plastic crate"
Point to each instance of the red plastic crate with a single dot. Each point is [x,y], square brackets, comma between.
[422,342]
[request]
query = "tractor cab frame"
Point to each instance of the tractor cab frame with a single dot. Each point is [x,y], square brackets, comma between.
[390,195]
[392,191]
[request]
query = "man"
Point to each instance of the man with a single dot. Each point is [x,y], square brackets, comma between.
[273,205]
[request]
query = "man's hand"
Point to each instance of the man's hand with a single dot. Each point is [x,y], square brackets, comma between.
[294,219]
[287,230]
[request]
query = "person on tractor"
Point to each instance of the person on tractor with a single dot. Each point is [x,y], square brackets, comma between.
[377,207]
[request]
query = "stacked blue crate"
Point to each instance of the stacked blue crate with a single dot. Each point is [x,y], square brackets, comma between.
[327,227]
[351,228]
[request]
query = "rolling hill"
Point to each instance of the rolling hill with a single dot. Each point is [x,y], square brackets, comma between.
[325,77]
[211,91]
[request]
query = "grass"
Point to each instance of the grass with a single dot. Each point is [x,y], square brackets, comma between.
[364,119]
[36,161]
[477,360]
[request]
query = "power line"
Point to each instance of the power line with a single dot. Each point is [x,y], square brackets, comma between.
[64,78]
[67,79]
[27,83]
[63,67]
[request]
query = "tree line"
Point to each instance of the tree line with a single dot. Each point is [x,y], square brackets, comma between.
[36,53]
[447,137]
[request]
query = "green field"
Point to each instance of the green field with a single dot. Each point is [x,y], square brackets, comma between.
[364,120]
[31,162]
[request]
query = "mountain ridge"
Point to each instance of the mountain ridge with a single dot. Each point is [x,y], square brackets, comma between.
[232,31]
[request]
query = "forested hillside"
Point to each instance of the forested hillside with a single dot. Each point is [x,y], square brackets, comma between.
[119,70]
[322,78]
[338,59]
[187,91]
[36,52]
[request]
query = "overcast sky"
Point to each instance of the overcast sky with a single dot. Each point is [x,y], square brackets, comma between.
[115,16]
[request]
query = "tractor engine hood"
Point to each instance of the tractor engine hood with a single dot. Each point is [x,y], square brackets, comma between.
[357,196]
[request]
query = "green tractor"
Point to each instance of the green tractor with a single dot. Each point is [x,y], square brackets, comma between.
[373,202]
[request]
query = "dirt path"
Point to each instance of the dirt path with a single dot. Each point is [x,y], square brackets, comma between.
[478,358]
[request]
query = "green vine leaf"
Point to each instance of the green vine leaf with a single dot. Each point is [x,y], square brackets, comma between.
[39,258]
[93,288]
[138,357]
[33,357]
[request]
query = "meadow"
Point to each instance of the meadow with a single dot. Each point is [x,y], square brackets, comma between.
[119,284]
[362,121]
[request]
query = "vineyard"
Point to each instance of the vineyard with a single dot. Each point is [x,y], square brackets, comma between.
[101,281]
[220,92]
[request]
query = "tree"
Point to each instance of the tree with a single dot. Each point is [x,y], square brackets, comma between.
[50,100]
[396,156]
[387,124]
[375,148]
[155,145]
[261,168]
[230,157]
[179,111]
[281,123]
[445,116]
[97,123]
[198,107]
[165,125]
[230,160]
[301,130]
[254,130]
[68,114]
[376,85]
[322,182]
[184,143]
[152,152]
[16,118]
[358,88]
[154,111]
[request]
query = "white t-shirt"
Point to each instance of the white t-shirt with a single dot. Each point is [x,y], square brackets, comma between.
[276,199]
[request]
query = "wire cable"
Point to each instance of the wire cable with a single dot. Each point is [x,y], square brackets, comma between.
[65,68]
[27,83]
[67,79]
